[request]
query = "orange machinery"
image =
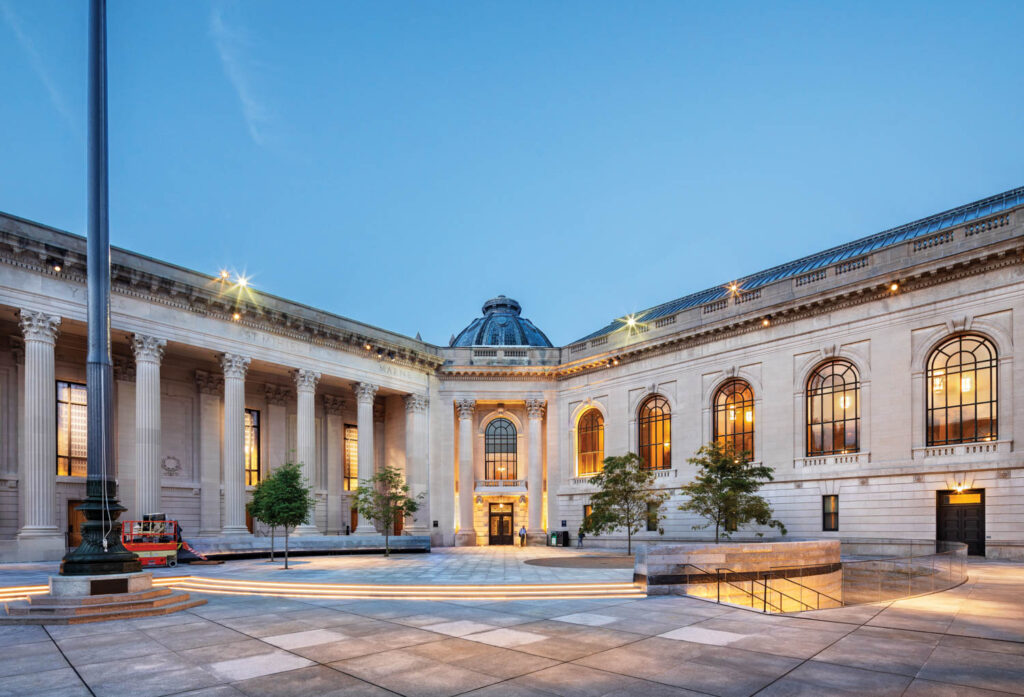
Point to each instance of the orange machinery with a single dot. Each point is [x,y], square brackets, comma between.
[155,542]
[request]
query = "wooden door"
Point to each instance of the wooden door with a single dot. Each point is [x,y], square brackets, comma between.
[961,518]
[75,520]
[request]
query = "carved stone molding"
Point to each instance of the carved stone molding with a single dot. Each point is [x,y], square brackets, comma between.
[235,366]
[466,408]
[535,408]
[209,383]
[415,403]
[124,369]
[365,392]
[278,394]
[305,380]
[171,466]
[334,405]
[39,326]
[148,348]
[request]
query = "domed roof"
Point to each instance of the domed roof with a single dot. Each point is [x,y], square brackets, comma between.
[501,325]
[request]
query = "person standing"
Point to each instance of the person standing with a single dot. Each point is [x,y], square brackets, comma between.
[522,536]
[579,539]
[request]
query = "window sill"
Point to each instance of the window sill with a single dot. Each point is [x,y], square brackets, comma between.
[859,458]
[979,449]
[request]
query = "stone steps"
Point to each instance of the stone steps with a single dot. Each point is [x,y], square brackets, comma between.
[99,608]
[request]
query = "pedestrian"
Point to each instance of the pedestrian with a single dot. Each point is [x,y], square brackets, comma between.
[579,539]
[522,536]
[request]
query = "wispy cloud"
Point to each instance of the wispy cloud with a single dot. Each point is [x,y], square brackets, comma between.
[234,47]
[36,62]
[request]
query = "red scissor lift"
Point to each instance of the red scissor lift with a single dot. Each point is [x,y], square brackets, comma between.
[155,542]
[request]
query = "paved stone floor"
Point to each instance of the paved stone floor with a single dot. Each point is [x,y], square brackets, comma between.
[966,642]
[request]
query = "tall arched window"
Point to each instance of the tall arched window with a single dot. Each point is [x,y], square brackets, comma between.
[962,384]
[654,439]
[500,450]
[590,443]
[734,416]
[833,409]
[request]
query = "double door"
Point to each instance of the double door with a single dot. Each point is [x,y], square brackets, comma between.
[500,525]
[961,518]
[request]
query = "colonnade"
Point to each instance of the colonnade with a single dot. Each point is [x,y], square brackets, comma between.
[40,331]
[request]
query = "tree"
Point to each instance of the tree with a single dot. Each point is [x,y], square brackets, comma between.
[626,498]
[725,491]
[384,498]
[284,500]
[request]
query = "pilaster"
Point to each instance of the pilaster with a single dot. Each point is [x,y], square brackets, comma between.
[365,393]
[305,387]
[149,351]
[235,368]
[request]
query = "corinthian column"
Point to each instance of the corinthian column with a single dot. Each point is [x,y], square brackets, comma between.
[416,461]
[466,536]
[305,386]
[365,392]
[235,368]
[148,352]
[535,469]
[39,471]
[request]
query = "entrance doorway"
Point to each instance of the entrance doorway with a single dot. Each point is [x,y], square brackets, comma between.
[961,518]
[500,524]
[75,520]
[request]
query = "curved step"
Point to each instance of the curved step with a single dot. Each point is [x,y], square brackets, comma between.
[182,602]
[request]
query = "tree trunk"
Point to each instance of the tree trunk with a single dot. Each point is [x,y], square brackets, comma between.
[286,546]
[716,532]
[272,528]
[387,546]
[629,539]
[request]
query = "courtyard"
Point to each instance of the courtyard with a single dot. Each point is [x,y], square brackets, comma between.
[968,641]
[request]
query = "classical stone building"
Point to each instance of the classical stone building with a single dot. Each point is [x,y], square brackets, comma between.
[877,378]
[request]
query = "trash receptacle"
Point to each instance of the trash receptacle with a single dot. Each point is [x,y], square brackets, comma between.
[552,539]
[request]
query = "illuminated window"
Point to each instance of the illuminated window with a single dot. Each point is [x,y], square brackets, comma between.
[500,450]
[590,443]
[252,447]
[830,512]
[72,429]
[833,409]
[351,458]
[734,416]
[654,441]
[961,391]
[587,510]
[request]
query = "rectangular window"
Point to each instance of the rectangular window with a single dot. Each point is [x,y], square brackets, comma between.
[72,429]
[830,512]
[351,457]
[252,447]
[652,516]
[587,508]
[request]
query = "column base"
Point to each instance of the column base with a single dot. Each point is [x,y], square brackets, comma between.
[235,531]
[536,539]
[365,530]
[37,545]
[305,530]
[416,530]
[465,538]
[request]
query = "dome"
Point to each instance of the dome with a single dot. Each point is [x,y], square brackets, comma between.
[501,325]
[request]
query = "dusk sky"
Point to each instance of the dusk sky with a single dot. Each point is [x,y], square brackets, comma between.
[401,162]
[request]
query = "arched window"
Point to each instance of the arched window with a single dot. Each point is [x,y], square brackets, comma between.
[500,450]
[590,443]
[734,416]
[962,399]
[654,441]
[833,409]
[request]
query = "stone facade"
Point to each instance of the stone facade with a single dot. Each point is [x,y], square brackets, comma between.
[192,354]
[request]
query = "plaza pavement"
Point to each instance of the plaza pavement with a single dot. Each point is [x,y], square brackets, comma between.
[965,642]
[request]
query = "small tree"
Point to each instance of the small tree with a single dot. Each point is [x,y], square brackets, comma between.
[725,491]
[285,500]
[627,498]
[256,509]
[384,499]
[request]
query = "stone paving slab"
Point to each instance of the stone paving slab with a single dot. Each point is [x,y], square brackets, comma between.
[664,646]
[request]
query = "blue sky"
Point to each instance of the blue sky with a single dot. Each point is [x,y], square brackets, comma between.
[401,162]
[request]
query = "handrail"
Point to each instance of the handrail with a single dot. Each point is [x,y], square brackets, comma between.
[802,585]
[718,587]
[774,590]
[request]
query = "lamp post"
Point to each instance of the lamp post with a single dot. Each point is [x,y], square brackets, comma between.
[101,551]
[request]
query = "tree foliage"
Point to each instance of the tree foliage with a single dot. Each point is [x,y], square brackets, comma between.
[626,498]
[725,491]
[282,499]
[385,499]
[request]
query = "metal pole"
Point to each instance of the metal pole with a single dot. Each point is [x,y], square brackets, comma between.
[101,551]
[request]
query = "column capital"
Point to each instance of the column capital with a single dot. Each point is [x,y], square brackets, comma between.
[234,366]
[334,405]
[466,408]
[535,408]
[378,412]
[415,403]
[278,394]
[124,369]
[39,326]
[148,348]
[305,380]
[365,392]
[208,383]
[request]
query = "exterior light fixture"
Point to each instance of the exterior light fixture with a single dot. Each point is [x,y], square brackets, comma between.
[765,322]
[367,347]
[380,353]
[224,274]
[630,321]
[242,281]
[894,287]
[57,268]
[392,355]
[237,316]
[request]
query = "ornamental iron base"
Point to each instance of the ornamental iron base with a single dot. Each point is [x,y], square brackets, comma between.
[101,514]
